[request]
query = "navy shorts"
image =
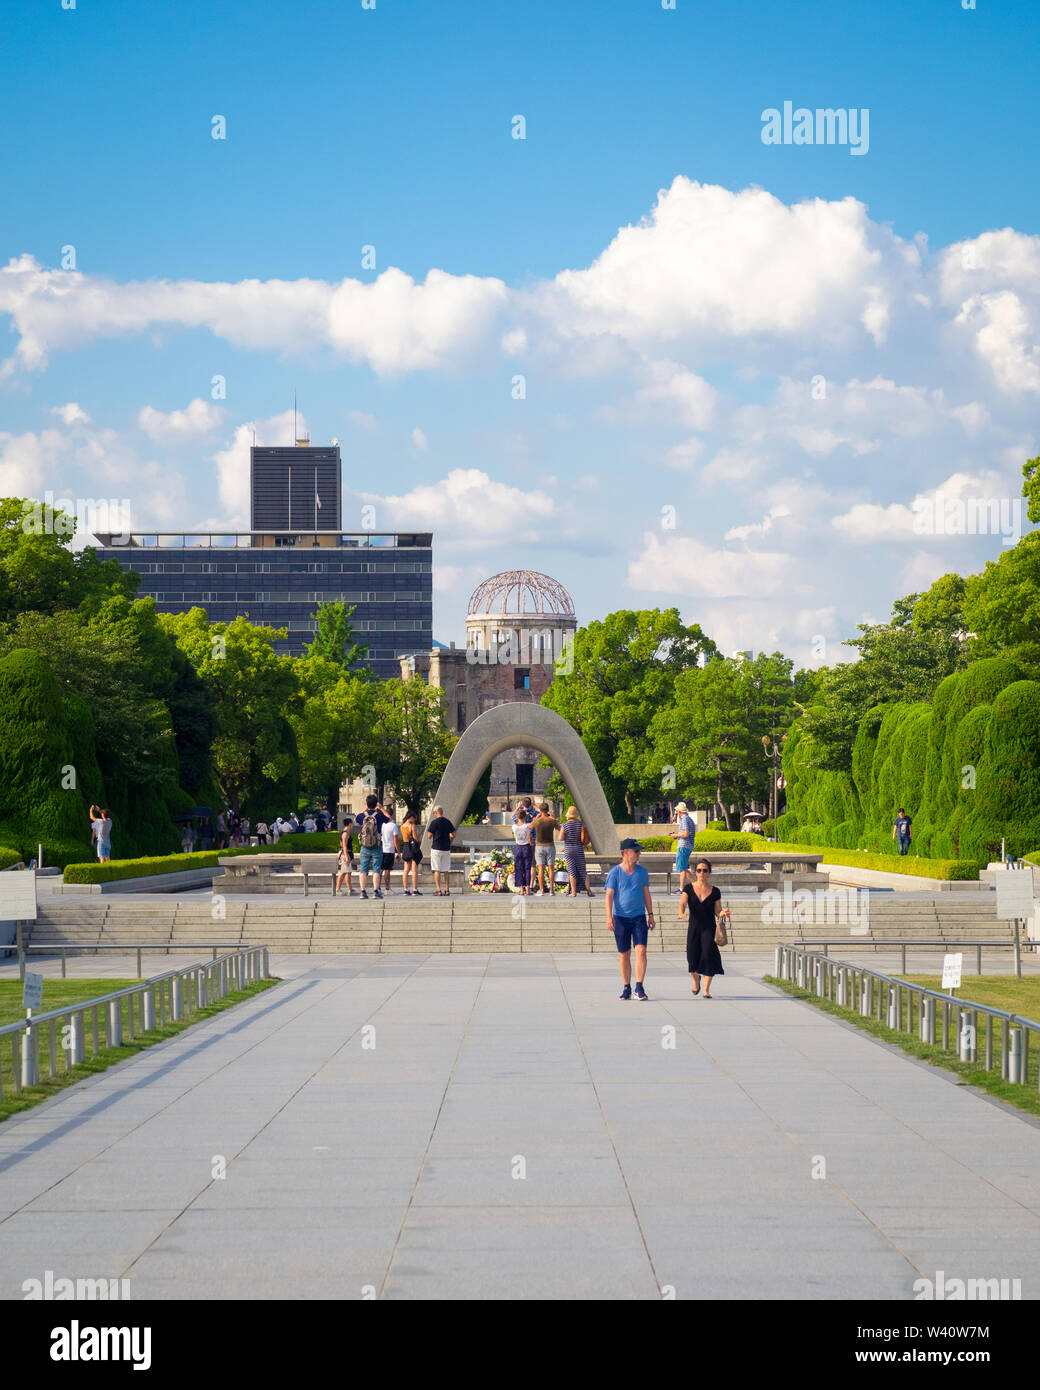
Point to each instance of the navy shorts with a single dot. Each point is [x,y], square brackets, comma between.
[629,932]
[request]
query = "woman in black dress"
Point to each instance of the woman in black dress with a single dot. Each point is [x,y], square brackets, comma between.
[705,904]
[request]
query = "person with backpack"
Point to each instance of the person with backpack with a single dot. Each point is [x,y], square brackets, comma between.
[369,823]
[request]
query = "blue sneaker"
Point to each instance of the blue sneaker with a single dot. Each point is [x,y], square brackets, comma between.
[626,993]
[641,992]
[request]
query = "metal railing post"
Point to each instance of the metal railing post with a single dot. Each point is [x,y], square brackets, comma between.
[1015,1055]
[177,999]
[30,1058]
[148,1010]
[77,1044]
[114,1026]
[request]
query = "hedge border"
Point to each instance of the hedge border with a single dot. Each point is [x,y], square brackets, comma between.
[719,842]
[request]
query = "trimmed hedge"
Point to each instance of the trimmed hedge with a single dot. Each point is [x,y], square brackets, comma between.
[317,842]
[952,869]
[154,864]
[8,857]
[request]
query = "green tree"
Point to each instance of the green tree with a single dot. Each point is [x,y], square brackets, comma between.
[1031,488]
[902,660]
[334,724]
[624,672]
[411,742]
[38,571]
[334,639]
[254,690]
[1002,605]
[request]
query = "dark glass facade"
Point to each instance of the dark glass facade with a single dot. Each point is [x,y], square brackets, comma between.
[278,579]
[296,487]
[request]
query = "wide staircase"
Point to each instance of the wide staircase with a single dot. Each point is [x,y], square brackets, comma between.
[490,922]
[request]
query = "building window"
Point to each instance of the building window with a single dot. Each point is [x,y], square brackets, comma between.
[521,678]
[460,717]
[524,779]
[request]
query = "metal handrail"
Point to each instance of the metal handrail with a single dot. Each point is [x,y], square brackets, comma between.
[933,942]
[853,986]
[207,981]
[137,946]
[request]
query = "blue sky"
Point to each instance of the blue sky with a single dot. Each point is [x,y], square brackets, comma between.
[672,370]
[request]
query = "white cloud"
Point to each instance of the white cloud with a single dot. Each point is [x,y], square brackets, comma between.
[232,465]
[198,418]
[393,324]
[690,396]
[685,565]
[866,522]
[1004,338]
[361,420]
[719,264]
[759,528]
[71,414]
[419,439]
[684,457]
[468,508]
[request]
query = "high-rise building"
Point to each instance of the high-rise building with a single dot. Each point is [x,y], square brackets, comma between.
[276,576]
[295,488]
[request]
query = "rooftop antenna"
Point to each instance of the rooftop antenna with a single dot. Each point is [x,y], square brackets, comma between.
[294,418]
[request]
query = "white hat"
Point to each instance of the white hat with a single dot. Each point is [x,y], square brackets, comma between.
[680,805]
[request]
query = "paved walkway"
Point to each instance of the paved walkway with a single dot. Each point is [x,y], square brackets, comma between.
[516,1131]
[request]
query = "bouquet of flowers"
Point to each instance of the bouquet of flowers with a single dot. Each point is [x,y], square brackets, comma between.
[492,873]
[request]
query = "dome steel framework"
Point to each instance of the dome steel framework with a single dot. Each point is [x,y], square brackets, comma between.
[522,593]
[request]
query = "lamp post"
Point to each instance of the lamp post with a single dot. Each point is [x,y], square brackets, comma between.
[508,783]
[773,752]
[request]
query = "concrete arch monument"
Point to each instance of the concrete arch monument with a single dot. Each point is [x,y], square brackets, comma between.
[517,724]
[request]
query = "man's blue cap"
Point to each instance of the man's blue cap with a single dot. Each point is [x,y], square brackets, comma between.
[632,844]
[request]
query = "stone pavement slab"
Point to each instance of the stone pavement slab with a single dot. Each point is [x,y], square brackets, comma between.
[492,1126]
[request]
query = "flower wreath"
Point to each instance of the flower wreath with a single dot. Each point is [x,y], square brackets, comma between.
[499,864]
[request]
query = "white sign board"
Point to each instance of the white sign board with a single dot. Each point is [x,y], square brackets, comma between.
[1014,893]
[18,895]
[32,991]
[952,970]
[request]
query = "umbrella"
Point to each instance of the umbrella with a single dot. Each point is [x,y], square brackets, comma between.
[177,819]
[202,811]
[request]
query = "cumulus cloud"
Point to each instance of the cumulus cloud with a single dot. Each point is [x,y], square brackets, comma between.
[719,264]
[361,420]
[419,439]
[468,508]
[198,418]
[689,395]
[393,324]
[71,414]
[232,465]
[933,512]
[676,564]
[1004,339]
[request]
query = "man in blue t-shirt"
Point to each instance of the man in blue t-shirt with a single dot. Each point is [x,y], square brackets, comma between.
[684,830]
[630,915]
[902,831]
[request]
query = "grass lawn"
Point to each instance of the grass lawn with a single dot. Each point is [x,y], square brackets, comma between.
[1024,1097]
[58,992]
[1005,992]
